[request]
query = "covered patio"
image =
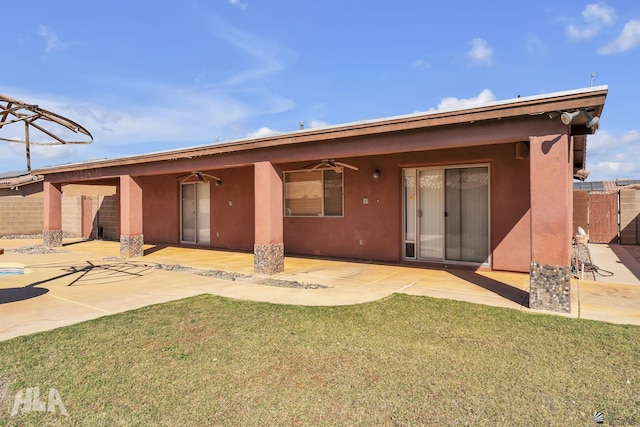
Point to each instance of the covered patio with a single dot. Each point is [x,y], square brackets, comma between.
[81,281]
[486,188]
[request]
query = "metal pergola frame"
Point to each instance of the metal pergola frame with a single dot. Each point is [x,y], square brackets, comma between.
[16,111]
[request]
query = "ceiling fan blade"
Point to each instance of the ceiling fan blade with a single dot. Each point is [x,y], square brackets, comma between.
[184,177]
[214,178]
[346,165]
[196,176]
[336,169]
[310,165]
[319,165]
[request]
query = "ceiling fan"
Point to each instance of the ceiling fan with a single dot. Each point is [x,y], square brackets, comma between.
[337,167]
[198,176]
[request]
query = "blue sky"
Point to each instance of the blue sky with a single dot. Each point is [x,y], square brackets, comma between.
[147,76]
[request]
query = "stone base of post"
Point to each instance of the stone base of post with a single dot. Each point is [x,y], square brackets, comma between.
[268,259]
[52,238]
[550,288]
[131,246]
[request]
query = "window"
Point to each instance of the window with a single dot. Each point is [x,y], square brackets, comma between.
[313,193]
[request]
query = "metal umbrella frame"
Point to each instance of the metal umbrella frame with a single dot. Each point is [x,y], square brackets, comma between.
[32,116]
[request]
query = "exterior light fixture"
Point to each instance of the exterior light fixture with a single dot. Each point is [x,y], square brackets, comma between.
[567,118]
[592,121]
[376,174]
[218,182]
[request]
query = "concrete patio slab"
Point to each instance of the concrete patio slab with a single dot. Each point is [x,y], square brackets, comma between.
[87,280]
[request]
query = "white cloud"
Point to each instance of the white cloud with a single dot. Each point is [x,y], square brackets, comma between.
[612,156]
[601,141]
[480,52]
[595,16]
[262,132]
[419,63]
[317,124]
[605,171]
[628,39]
[600,12]
[266,54]
[631,136]
[54,151]
[170,117]
[237,3]
[451,103]
[52,42]
[14,156]
[535,46]
[581,33]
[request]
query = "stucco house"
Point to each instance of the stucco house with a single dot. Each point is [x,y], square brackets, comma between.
[484,187]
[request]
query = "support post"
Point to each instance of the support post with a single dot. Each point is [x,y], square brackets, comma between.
[131,224]
[268,252]
[52,233]
[551,215]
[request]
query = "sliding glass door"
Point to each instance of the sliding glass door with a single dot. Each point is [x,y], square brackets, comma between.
[448,210]
[195,213]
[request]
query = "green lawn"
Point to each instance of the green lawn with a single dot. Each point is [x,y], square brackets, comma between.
[401,361]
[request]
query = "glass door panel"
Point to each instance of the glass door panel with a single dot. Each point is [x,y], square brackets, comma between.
[467,214]
[195,209]
[430,214]
[188,212]
[410,211]
[446,214]
[203,212]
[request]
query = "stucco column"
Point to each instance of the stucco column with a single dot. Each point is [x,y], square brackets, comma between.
[131,238]
[268,250]
[52,233]
[551,215]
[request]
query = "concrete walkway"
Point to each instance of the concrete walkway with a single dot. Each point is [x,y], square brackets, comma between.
[89,280]
[615,264]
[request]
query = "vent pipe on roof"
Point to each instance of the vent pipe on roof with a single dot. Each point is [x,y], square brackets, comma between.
[301,124]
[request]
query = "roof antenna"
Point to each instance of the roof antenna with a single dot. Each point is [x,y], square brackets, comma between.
[594,76]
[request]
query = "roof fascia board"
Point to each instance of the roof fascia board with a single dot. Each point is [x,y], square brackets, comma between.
[593,97]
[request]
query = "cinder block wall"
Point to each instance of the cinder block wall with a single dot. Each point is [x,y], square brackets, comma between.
[105,215]
[72,215]
[25,215]
[630,217]
[21,215]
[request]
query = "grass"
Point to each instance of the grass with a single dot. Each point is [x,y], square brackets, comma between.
[401,361]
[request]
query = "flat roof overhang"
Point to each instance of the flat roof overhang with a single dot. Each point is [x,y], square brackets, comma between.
[528,112]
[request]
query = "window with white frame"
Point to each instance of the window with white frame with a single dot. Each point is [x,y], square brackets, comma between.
[313,193]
